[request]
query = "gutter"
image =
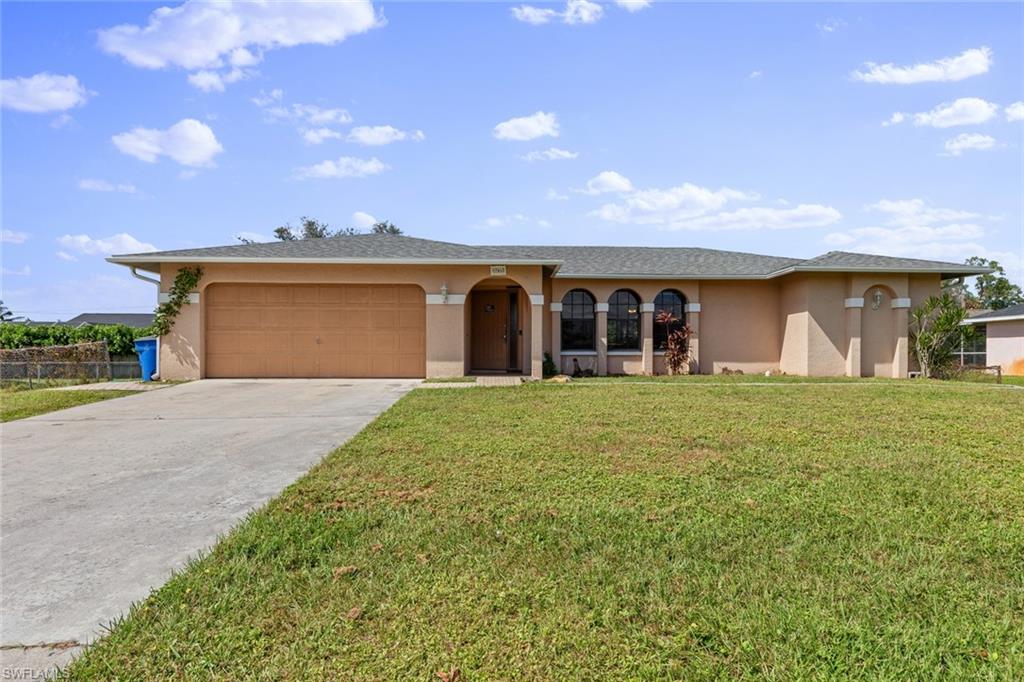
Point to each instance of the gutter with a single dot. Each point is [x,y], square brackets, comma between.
[136,275]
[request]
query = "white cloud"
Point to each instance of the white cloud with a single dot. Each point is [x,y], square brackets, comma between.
[964,111]
[830,25]
[64,299]
[266,99]
[498,222]
[380,135]
[530,127]
[575,12]
[65,256]
[114,244]
[43,92]
[757,73]
[607,181]
[344,167]
[895,119]
[203,36]
[211,81]
[13,237]
[965,141]
[363,220]
[633,5]
[582,12]
[94,185]
[189,142]
[550,154]
[318,135]
[914,229]
[534,15]
[555,195]
[23,271]
[691,207]
[969,63]
[1015,112]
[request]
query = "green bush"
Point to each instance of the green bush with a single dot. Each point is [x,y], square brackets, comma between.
[120,338]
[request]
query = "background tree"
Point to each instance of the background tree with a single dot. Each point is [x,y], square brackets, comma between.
[384,227]
[311,228]
[6,315]
[993,291]
[936,333]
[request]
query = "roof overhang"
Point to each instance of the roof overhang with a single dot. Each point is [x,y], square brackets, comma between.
[943,273]
[985,320]
[157,260]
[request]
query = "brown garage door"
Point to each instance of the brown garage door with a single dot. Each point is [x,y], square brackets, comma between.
[309,330]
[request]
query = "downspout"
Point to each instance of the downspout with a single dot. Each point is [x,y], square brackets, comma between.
[136,275]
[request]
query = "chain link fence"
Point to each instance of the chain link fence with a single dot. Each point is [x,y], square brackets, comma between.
[78,363]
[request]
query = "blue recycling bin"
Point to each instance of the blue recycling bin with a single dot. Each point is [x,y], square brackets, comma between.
[146,348]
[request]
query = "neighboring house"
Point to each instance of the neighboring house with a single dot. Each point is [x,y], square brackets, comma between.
[136,320]
[396,306]
[1002,335]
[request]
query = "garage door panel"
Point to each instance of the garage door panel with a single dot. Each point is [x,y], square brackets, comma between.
[272,330]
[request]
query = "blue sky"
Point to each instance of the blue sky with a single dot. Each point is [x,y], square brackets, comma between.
[787,129]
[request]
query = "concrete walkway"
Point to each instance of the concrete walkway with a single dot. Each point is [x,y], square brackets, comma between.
[101,502]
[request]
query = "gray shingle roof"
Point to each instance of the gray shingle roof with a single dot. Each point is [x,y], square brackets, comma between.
[1011,311]
[571,261]
[138,320]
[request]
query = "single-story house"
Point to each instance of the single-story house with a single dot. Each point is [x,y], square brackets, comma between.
[1001,334]
[397,306]
[135,320]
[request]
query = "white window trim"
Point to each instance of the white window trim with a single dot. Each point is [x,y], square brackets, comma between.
[556,307]
[600,307]
[692,308]
[854,303]
[580,353]
[901,303]
[625,352]
[647,307]
[537,299]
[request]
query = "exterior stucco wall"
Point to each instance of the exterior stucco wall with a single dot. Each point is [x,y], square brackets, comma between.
[181,353]
[739,326]
[826,325]
[1005,346]
[793,321]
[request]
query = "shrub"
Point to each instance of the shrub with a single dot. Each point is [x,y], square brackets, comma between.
[120,338]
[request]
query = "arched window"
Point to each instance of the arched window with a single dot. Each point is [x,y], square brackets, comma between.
[674,303]
[623,321]
[578,320]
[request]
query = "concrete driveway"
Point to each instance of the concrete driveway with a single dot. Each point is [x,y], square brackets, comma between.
[101,502]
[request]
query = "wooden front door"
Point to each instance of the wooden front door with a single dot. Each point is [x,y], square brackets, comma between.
[489,330]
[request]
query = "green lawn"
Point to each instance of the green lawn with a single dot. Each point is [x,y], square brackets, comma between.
[18,403]
[623,531]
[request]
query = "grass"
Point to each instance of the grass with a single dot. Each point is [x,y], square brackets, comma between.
[451,380]
[631,532]
[19,403]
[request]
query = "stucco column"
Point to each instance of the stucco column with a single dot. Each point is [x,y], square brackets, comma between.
[556,335]
[900,315]
[601,322]
[647,336]
[693,322]
[537,336]
[445,342]
[854,306]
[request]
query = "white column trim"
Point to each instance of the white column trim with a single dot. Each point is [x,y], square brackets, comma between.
[537,299]
[600,307]
[854,303]
[647,307]
[901,303]
[692,307]
[452,299]
[556,307]
[165,297]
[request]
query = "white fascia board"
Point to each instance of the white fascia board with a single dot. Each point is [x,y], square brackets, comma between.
[129,260]
[986,320]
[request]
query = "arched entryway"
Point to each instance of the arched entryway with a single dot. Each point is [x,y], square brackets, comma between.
[499,320]
[878,333]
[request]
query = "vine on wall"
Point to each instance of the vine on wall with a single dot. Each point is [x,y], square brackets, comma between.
[184,282]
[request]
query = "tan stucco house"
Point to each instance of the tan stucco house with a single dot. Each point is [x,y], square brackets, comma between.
[1000,334]
[396,306]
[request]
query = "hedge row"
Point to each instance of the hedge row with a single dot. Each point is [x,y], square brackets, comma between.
[120,338]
